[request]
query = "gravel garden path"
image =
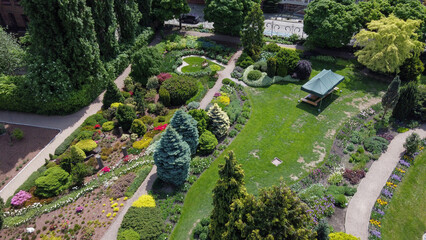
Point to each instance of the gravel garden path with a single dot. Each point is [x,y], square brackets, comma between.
[225,73]
[360,206]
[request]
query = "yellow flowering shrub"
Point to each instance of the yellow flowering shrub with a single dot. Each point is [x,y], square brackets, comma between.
[142,144]
[341,236]
[144,201]
[125,198]
[121,204]
[114,214]
[103,211]
[114,205]
[116,209]
[108,215]
[223,99]
[116,104]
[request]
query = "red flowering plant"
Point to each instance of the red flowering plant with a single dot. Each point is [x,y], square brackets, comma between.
[126,158]
[131,93]
[97,126]
[163,77]
[161,127]
[106,169]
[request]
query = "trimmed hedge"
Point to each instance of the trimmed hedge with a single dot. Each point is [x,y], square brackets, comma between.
[265,80]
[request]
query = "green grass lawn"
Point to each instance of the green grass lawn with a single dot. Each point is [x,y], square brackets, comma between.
[281,127]
[195,64]
[406,216]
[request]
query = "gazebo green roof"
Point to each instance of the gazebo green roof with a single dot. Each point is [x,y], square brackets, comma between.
[322,83]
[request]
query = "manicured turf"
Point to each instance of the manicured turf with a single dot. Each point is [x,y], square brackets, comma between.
[195,64]
[281,127]
[406,216]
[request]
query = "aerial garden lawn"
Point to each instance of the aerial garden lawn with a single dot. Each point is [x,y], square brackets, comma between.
[296,133]
[196,64]
[405,217]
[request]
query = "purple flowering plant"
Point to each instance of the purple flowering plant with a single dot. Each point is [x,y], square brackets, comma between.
[376,234]
[217,94]
[323,207]
[20,198]
[396,177]
[404,163]
[387,193]
[79,209]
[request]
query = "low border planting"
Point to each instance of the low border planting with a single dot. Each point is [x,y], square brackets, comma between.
[265,81]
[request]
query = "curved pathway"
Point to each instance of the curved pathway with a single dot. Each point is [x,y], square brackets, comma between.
[360,206]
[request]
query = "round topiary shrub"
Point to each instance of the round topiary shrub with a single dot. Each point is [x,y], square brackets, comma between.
[87,145]
[108,126]
[376,144]
[138,127]
[52,182]
[254,75]
[152,83]
[128,234]
[207,143]
[180,88]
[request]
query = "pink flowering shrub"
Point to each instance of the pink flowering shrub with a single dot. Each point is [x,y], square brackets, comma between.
[163,77]
[161,127]
[106,169]
[20,198]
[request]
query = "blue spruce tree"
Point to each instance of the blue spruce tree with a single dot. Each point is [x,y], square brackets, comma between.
[186,126]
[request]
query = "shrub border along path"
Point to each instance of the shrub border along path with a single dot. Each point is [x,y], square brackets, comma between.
[360,206]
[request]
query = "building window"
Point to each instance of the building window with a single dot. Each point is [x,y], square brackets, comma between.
[12,20]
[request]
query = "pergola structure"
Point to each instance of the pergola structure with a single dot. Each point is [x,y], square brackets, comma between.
[320,86]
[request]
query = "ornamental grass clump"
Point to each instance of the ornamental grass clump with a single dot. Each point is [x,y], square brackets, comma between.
[20,198]
[144,201]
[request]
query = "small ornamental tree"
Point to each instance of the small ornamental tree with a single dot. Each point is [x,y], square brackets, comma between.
[200,115]
[52,182]
[172,157]
[412,144]
[218,122]
[145,63]
[252,32]
[272,67]
[277,214]
[186,126]
[287,60]
[303,70]
[128,17]
[229,187]
[112,95]
[407,101]
[78,172]
[387,43]
[125,116]
[77,155]
[391,96]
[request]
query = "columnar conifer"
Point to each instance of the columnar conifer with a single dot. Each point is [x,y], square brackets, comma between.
[391,96]
[186,126]
[128,17]
[112,95]
[219,121]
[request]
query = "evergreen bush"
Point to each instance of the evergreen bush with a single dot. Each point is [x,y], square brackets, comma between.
[207,143]
[303,70]
[146,221]
[412,144]
[52,182]
[138,127]
[112,95]
[200,115]
[218,122]
[186,126]
[164,96]
[272,67]
[125,116]
[181,88]
[146,62]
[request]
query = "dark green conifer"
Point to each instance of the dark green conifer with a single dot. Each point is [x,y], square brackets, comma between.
[128,17]
[112,95]
[172,157]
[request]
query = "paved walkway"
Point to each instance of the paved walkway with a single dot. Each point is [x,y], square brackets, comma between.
[111,233]
[67,124]
[360,206]
[225,73]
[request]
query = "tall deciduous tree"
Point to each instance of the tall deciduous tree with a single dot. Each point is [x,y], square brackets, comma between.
[229,187]
[164,10]
[331,23]
[391,96]
[407,101]
[128,17]
[186,126]
[252,32]
[172,157]
[11,53]
[411,9]
[227,15]
[105,25]
[388,43]
[64,54]
[145,7]
[277,214]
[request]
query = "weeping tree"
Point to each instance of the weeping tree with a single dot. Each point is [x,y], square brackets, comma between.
[128,17]
[64,53]
[105,26]
[391,96]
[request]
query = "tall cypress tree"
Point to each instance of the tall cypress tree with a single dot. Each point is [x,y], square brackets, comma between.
[145,7]
[391,96]
[229,187]
[252,31]
[64,54]
[404,109]
[105,25]
[172,157]
[186,126]
[128,17]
